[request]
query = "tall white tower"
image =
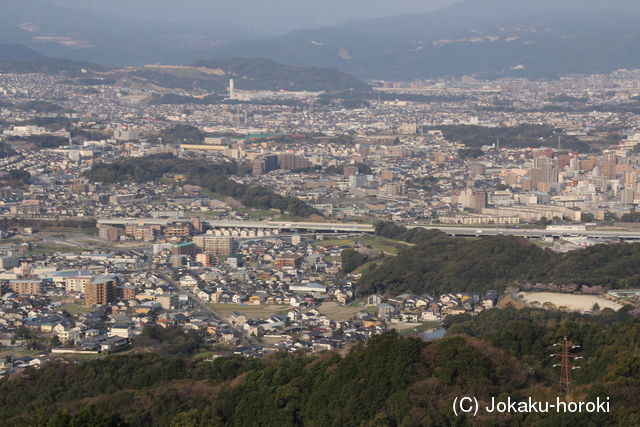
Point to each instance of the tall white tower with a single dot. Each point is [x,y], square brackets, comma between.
[231,92]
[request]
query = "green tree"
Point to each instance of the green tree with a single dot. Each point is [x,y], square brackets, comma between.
[351,259]
[587,217]
[55,342]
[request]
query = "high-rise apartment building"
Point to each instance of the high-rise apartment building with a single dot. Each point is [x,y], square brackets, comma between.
[627,196]
[290,161]
[101,290]
[27,287]
[218,245]
[264,165]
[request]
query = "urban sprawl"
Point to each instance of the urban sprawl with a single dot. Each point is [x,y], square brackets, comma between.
[86,265]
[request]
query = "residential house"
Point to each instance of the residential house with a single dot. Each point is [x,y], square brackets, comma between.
[121,330]
[238,318]
[370,321]
[430,316]
[409,317]
[385,310]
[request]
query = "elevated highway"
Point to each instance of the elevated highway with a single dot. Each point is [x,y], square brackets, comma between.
[337,227]
[265,225]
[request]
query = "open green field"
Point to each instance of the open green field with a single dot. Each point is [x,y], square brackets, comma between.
[338,313]
[49,248]
[208,352]
[63,232]
[80,356]
[74,309]
[383,244]
[361,302]
[208,213]
[20,353]
[252,311]
[367,265]
[216,196]
[331,309]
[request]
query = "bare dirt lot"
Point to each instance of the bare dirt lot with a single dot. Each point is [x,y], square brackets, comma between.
[572,302]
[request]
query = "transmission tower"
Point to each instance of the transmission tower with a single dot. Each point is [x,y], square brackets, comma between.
[565,363]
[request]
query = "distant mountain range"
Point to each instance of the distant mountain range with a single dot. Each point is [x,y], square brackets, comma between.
[539,46]
[60,32]
[491,38]
[469,14]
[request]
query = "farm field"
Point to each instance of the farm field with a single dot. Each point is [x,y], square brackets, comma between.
[388,246]
[74,309]
[252,311]
[338,313]
[332,310]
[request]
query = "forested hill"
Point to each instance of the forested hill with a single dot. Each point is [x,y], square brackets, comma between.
[16,61]
[439,263]
[263,73]
[251,74]
[521,136]
[17,52]
[212,176]
[390,381]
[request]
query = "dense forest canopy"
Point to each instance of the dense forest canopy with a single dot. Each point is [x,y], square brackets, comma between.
[212,176]
[439,263]
[181,134]
[521,136]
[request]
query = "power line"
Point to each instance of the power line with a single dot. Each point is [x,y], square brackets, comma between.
[565,363]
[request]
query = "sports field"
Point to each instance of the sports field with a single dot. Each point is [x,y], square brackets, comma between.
[572,302]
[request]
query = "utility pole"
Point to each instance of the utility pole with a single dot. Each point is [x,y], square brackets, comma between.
[565,364]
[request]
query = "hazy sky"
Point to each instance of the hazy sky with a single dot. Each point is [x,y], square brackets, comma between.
[273,16]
